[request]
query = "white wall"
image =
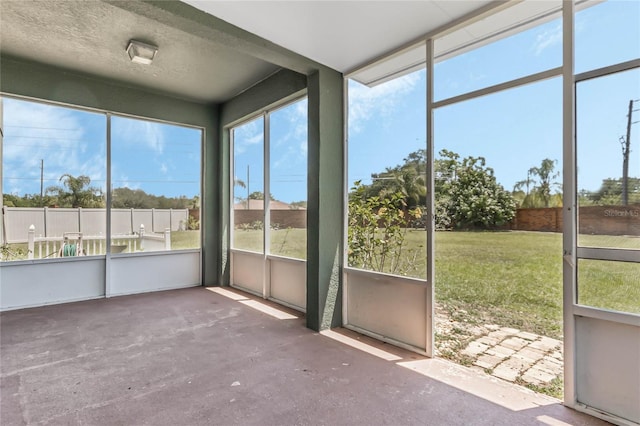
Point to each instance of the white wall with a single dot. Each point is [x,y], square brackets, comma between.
[608,366]
[133,273]
[394,308]
[26,284]
[247,271]
[42,282]
[288,281]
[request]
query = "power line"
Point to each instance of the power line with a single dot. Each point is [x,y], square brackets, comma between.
[13,126]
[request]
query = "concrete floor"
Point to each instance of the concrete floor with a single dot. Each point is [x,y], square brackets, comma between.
[202,357]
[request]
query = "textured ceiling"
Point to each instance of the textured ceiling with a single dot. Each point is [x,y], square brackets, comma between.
[209,51]
[91,37]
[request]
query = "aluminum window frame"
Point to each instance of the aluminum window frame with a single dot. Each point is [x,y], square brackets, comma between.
[601,253]
[108,114]
[265,113]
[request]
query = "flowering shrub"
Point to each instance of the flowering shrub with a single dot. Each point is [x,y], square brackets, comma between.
[376,233]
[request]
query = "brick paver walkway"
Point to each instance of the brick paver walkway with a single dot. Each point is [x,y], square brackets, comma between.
[517,356]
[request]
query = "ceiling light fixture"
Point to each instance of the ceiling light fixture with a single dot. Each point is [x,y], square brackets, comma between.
[141,53]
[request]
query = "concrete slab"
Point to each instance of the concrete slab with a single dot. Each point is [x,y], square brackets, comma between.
[194,357]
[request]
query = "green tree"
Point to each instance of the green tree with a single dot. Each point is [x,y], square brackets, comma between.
[445,172]
[296,205]
[138,199]
[28,200]
[410,184]
[408,178]
[259,195]
[610,192]
[473,198]
[466,191]
[542,179]
[77,192]
[127,198]
[526,198]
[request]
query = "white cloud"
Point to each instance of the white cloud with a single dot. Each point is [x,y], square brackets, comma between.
[121,180]
[546,38]
[378,102]
[291,145]
[247,135]
[138,133]
[35,132]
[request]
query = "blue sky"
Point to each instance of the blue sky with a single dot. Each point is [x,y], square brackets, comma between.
[287,154]
[514,130]
[158,158]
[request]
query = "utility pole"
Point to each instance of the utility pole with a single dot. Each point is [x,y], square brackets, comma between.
[41,183]
[248,187]
[626,150]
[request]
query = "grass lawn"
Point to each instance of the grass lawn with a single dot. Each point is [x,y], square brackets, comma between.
[185,240]
[514,278]
[291,242]
[511,278]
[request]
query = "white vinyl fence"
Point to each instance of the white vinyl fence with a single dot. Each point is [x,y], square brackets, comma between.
[77,244]
[56,222]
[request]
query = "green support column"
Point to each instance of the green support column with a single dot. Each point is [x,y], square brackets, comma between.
[223,208]
[213,201]
[325,199]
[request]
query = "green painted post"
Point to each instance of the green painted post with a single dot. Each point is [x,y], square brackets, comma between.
[325,199]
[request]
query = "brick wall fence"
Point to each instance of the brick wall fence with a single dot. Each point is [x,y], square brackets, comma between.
[538,219]
[599,220]
[284,218]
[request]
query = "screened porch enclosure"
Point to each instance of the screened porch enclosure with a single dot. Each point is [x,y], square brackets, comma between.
[466,161]
[447,153]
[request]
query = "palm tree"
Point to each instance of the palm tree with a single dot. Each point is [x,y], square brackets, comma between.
[546,174]
[529,200]
[76,192]
[407,182]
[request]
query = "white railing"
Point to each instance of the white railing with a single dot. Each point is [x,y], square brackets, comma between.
[77,244]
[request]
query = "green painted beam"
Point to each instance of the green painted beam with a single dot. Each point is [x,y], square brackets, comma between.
[279,87]
[36,80]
